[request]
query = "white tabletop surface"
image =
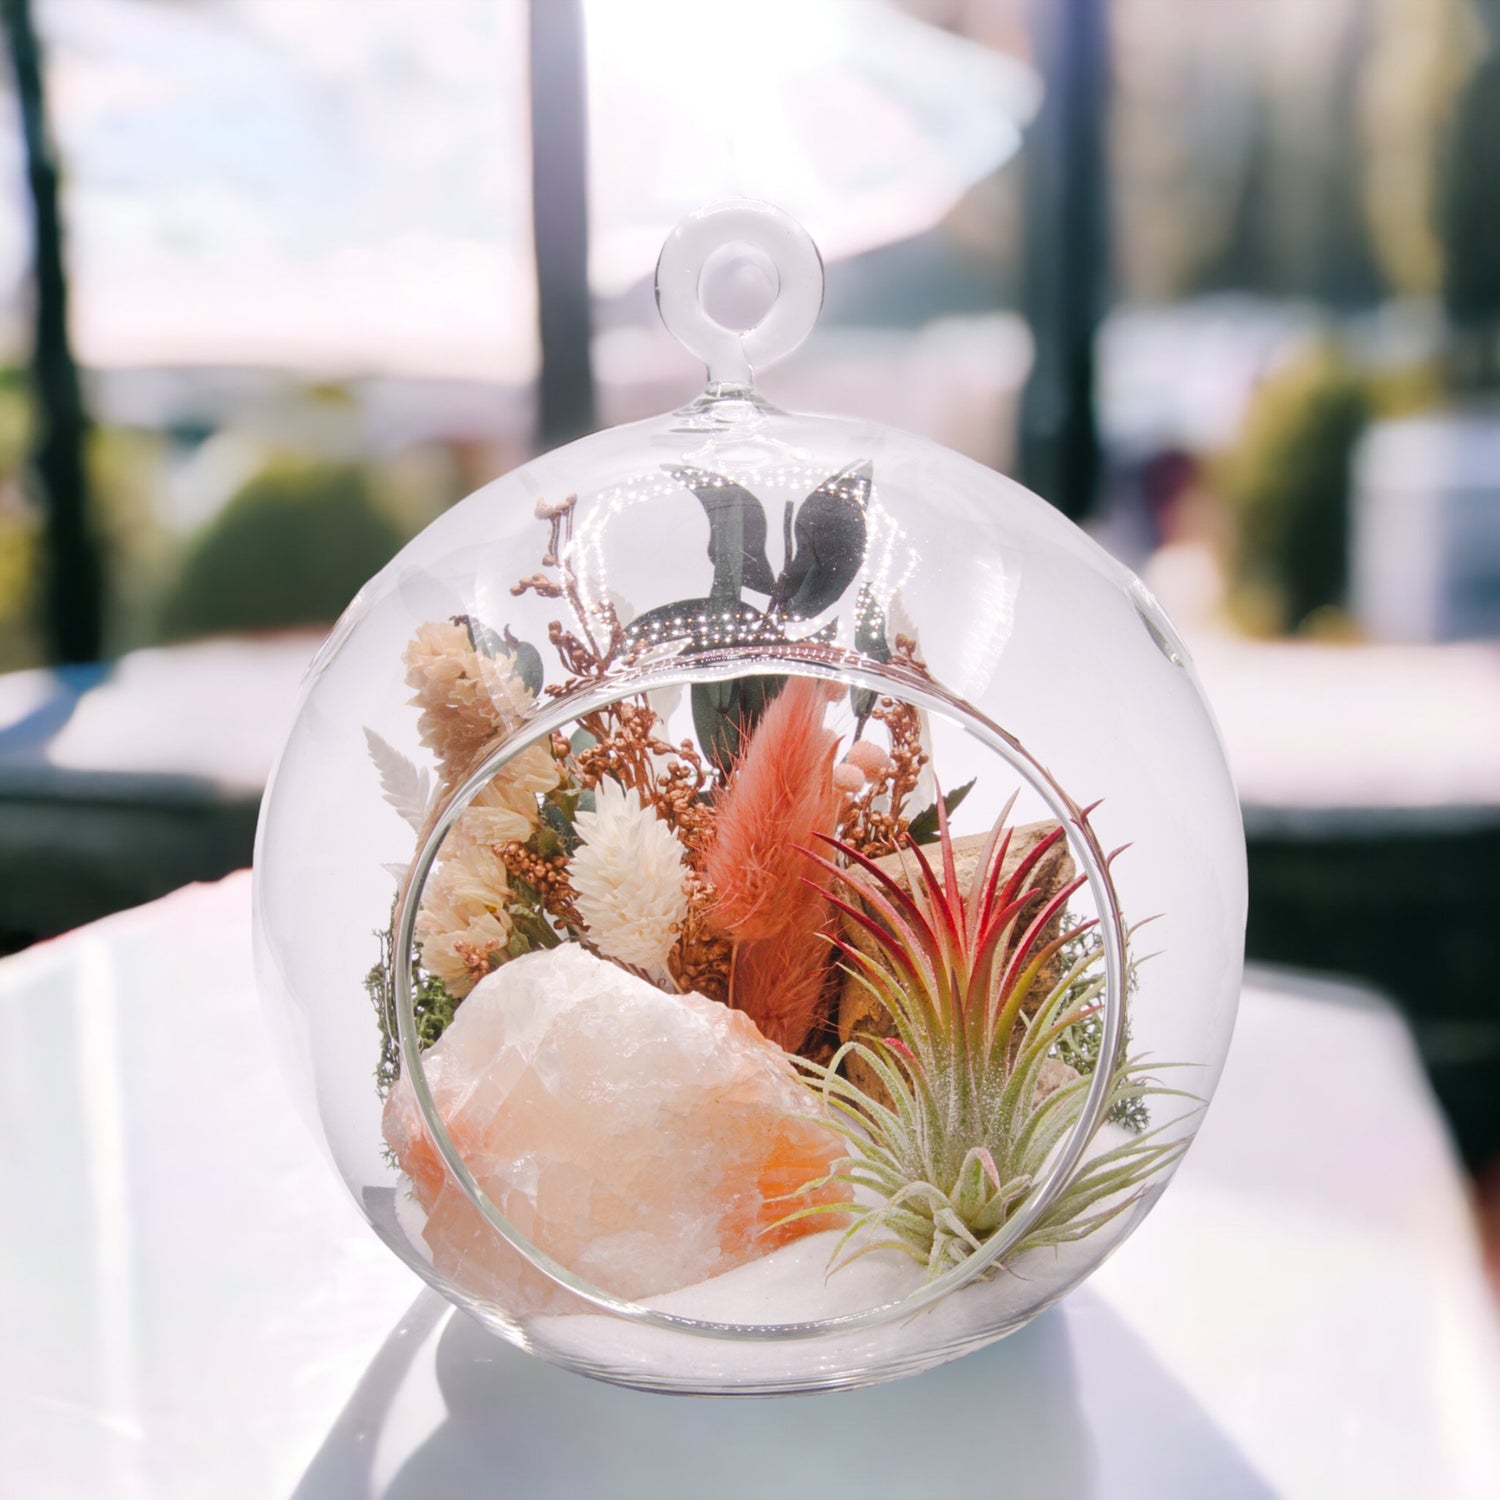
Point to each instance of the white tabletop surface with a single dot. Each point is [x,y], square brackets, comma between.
[1315,729]
[192,1307]
[229,702]
[1312,730]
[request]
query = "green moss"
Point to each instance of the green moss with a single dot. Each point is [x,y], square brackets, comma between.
[432,1009]
[1079,1048]
[1079,1044]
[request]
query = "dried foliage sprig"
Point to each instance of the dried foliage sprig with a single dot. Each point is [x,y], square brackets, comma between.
[588,651]
[874,821]
[545,877]
[970,1126]
[701,961]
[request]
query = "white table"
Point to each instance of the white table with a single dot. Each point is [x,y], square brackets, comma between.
[190,1306]
[1311,729]
[119,782]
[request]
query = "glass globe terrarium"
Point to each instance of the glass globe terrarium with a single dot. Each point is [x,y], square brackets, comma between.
[704,890]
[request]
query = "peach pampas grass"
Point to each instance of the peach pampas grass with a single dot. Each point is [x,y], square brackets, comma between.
[779,982]
[780,797]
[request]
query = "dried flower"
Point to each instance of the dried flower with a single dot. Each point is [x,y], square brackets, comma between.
[547,875]
[781,796]
[874,820]
[869,759]
[463,927]
[702,958]
[627,877]
[848,778]
[468,699]
[506,809]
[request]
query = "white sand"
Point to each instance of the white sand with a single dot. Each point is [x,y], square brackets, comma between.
[790,1285]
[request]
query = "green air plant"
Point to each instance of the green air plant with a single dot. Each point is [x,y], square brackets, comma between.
[965,1136]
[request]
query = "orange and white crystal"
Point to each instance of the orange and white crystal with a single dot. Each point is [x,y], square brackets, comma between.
[645,1141]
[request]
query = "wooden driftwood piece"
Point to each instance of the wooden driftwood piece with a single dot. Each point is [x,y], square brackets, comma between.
[862,1017]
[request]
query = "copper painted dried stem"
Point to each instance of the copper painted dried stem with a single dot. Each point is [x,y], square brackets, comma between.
[548,876]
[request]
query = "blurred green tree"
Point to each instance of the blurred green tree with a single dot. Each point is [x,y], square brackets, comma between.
[1421,51]
[19,527]
[1469,229]
[1287,483]
[292,547]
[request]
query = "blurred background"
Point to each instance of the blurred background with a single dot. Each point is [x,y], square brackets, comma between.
[282,279]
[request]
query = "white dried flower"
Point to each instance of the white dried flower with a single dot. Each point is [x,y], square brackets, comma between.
[627,876]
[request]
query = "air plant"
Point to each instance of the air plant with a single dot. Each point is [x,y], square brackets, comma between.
[970,1125]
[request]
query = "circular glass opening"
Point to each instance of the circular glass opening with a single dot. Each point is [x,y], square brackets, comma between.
[753,987]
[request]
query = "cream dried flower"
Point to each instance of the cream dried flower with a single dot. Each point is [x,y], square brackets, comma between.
[628,879]
[506,809]
[463,927]
[467,699]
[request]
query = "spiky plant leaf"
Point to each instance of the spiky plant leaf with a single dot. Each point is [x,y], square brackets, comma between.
[983,986]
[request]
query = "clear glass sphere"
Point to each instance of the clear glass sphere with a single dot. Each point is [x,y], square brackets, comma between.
[689,899]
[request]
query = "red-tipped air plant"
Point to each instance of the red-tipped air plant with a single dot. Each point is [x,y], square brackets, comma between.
[971,1123]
